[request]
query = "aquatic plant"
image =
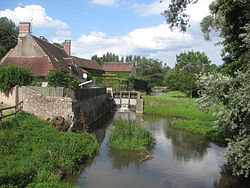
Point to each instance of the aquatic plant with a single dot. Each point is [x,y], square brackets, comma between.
[130,135]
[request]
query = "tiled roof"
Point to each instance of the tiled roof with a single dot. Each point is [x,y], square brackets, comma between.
[118,67]
[58,57]
[56,54]
[88,64]
[39,66]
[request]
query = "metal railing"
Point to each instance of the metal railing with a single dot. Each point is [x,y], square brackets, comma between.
[16,108]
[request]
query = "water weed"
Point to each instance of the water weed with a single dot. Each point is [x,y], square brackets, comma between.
[131,136]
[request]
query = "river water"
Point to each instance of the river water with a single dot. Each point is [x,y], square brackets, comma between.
[180,160]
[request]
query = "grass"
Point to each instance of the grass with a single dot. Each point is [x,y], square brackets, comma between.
[130,136]
[182,109]
[34,154]
[5,112]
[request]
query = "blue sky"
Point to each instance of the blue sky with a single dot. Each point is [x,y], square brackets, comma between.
[123,27]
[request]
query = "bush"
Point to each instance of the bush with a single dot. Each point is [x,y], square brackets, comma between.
[231,97]
[139,84]
[32,151]
[115,83]
[61,78]
[51,185]
[12,75]
[131,136]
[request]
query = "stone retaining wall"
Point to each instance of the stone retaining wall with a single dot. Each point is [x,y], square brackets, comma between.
[81,106]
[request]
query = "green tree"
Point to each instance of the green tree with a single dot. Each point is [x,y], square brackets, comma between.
[12,75]
[230,18]
[183,81]
[8,35]
[231,97]
[61,78]
[185,73]
[58,44]
[191,61]
[230,94]
[151,70]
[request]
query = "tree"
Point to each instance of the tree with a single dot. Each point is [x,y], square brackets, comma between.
[185,73]
[8,35]
[183,81]
[191,61]
[61,78]
[231,97]
[151,70]
[58,44]
[12,75]
[229,93]
[230,18]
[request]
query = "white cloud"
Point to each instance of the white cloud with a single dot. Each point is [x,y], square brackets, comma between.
[62,33]
[145,42]
[35,14]
[60,36]
[104,2]
[196,11]
[157,42]
[155,8]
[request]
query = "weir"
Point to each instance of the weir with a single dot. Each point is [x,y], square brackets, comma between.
[127,99]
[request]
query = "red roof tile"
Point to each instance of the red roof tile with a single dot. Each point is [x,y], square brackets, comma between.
[118,67]
[39,66]
[88,64]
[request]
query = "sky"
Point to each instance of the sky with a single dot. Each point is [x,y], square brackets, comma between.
[123,27]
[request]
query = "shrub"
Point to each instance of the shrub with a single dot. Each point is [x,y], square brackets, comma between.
[115,83]
[51,185]
[61,78]
[139,84]
[12,75]
[31,151]
[131,136]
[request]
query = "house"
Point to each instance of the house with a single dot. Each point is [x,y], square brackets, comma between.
[40,57]
[120,69]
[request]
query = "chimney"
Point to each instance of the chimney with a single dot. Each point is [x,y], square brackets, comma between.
[24,27]
[67,47]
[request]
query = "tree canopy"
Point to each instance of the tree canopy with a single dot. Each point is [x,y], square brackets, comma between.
[8,35]
[230,18]
[12,75]
[229,93]
[61,78]
[58,44]
[184,75]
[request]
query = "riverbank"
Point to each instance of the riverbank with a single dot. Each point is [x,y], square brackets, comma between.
[34,154]
[183,111]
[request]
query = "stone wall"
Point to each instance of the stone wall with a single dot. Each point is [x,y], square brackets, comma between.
[44,106]
[9,98]
[82,106]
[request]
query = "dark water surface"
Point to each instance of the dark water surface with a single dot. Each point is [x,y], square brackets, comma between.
[180,160]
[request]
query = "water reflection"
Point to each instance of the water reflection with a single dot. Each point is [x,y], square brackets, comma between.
[187,146]
[228,180]
[181,160]
[124,159]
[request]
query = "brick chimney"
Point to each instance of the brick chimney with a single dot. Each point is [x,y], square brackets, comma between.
[24,27]
[67,47]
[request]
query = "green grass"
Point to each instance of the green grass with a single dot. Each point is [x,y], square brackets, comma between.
[183,111]
[32,153]
[131,136]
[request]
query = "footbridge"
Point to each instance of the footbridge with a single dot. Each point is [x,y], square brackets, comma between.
[126,99]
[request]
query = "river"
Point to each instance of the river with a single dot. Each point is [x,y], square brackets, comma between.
[180,160]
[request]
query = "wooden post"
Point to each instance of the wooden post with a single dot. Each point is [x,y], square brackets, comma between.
[120,98]
[128,98]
